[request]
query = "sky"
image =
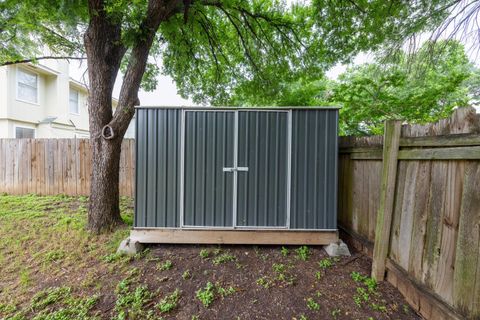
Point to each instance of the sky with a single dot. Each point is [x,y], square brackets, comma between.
[165,94]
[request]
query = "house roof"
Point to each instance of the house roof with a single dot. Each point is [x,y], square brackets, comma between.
[80,86]
[40,68]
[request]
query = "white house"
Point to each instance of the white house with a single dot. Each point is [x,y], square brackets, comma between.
[42,101]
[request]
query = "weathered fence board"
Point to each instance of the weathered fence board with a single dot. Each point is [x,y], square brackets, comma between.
[56,166]
[434,251]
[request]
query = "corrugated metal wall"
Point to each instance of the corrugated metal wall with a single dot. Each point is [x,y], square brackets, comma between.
[158,168]
[262,147]
[209,147]
[314,169]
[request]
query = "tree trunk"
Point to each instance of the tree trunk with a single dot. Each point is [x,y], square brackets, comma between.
[105,51]
[104,211]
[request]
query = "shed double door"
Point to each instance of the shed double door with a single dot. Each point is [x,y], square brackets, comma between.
[235,169]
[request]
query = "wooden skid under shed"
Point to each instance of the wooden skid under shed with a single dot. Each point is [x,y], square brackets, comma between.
[261,236]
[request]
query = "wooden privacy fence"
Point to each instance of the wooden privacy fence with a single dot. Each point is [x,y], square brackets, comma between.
[417,212]
[56,166]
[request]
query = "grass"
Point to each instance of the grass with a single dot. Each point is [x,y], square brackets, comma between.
[43,236]
[130,301]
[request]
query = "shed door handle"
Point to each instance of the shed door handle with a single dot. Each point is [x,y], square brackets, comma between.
[228,169]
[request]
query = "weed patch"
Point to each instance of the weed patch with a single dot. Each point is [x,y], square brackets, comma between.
[264,282]
[167,265]
[370,283]
[204,253]
[312,304]
[54,256]
[224,292]
[303,253]
[206,295]
[170,302]
[58,303]
[223,258]
[282,275]
[129,303]
[325,263]
[186,275]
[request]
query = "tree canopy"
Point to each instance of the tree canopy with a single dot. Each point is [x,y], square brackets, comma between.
[408,87]
[213,48]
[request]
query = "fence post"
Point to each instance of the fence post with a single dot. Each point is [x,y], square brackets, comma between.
[391,143]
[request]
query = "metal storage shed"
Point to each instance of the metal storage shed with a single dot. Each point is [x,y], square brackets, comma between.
[236,175]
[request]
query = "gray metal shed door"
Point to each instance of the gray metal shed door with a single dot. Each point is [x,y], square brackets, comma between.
[235,169]
[209,147]
[263,148]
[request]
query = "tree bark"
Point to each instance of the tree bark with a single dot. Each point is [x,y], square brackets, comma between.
[104,211]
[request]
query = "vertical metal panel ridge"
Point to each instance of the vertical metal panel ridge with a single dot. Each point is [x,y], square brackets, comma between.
[160,170]
[332,222]
[325,172]
[181,181]
[305,172]
[145,175]
[315,170]
[266,210]
[294,173]
[235,174]
[223,146]
[314,136]
[156,168]
[136,202]
[289,169]
[276,172]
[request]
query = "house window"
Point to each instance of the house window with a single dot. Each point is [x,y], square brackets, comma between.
[74,101]
[24,133]
[27,86]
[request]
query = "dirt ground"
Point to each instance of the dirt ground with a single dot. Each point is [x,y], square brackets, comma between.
[53,269]
[333,288]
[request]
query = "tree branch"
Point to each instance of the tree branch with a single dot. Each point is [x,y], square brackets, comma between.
[7,63]
[157,11]
[357,6]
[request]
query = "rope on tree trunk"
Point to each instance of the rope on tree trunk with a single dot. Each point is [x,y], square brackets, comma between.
[107,132]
